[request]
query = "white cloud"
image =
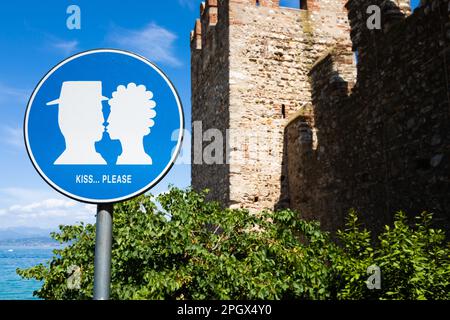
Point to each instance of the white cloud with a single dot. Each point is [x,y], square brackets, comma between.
[91,208]
[12,136]
[154,42]
[12,95]
[48,204]
[187,3]
[22,195]
[40,208]
[66,47]
[47,213]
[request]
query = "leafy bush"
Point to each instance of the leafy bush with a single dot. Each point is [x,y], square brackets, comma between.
[188,248]
[414,261]
[192,249]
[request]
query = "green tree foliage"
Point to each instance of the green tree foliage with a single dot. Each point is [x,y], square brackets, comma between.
[187,248]
[414,261]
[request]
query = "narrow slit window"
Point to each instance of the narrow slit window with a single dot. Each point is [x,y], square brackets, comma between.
[303,5]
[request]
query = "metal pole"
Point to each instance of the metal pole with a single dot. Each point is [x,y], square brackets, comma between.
[103,242]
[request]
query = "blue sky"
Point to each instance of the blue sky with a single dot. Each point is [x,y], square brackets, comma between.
[34,38]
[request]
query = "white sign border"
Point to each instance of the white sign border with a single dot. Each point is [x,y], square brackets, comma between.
[155,181]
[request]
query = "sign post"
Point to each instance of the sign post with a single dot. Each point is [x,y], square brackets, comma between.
[101,127]
[103,246]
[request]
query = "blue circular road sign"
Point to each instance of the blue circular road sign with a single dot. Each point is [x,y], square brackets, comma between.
[104,126]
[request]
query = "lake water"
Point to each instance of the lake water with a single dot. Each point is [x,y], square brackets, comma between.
[13,287]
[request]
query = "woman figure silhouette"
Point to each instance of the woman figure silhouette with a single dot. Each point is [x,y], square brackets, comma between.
[130,121]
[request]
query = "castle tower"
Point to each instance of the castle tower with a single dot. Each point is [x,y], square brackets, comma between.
[249,62]
[391,10]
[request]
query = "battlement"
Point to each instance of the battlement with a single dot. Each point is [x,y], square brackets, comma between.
[330,142]
[209,12]
[321,5]
[262,3]
[208,19]
[330,15]
[196,36]
[384,145]
[392,12]
[334,74]
[249,65]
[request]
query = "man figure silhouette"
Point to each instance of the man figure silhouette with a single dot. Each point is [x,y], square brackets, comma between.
[80,120]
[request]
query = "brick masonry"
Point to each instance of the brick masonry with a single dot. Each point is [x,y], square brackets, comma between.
[252,84]
[383,144]
[378,142]
[210,92]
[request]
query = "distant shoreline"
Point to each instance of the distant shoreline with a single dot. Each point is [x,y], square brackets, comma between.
[39,242]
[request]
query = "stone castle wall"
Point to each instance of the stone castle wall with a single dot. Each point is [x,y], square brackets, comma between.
[252,85]
[303,130]
[210,93]
[384,145]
